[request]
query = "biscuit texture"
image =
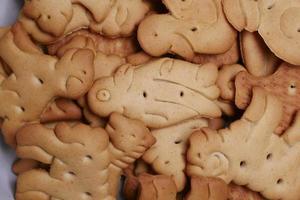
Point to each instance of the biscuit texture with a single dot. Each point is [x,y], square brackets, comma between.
[84,162]
[191,27]
[249,152]
[160,93]
[36,79]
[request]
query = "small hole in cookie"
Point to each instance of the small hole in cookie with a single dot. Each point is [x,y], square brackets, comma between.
[269,156]
[23,109]
[88,194]
[145,94]
[194,29]
[243,163]
[270,7]
[298,30]
[167,162]
[155,34]
[72,173]
[181,94]
[41,81]
[84,72]
[292,86]
[133,135]
[178,142]
[49,17]
[89,157]
[199,155]
[279,181]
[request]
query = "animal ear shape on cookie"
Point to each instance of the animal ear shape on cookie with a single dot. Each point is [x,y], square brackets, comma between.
[277,22]
[50,16]
[156,187]
[70,77]
[187,30]
[152,91]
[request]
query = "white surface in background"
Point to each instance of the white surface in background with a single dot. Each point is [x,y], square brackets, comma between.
[8,12]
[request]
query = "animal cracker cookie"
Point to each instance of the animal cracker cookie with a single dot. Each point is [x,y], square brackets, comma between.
[167,155]
[84,162]
[159,93]
[208,188]
[159,187]
[277,21]
[37,79]
[249,153]
[286,89]
[46,21]
[192,27]
[257,57]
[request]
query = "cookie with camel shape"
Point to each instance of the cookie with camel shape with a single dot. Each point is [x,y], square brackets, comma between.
[192,27]
[46,20]
[36,79]
[160,93]
[84,162]
[276,21]
[249,152]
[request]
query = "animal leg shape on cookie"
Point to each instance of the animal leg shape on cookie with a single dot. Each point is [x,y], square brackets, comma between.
[85,162]
[286,89]
[249,152]
[36,79]
[277,21]
[167,155]
[46,20]
[191,27]
[160,93]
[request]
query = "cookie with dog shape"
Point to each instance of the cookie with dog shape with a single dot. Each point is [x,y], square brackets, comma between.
[271,168]
[30,88]
[160,93]
[84,162]
[192,27]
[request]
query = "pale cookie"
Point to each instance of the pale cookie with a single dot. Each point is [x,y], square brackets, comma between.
[160,93]
[249,152]
[226,80]
[277,21]
[84,162]
[257,57]
[167,155]
[158,187]
[36,79]
[192,27]
[283,84]
[47,21]
[122,47]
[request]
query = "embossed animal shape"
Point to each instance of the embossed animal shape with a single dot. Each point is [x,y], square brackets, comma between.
[284,84]
[46,20]
[85,162]
[250,153]
[191,27]
[36,79]
[277,21]
[159,93]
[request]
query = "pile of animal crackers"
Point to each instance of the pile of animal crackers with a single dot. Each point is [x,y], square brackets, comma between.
[186,99]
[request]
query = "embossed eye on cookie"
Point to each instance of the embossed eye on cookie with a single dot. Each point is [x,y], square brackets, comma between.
[192,27]
[249,152]
[277,21]
[46,20]
[161,92]
[36,80]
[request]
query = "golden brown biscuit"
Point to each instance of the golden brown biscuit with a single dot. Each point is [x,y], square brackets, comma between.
[249,152]
[160,93]
[36,79]
[84,162]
